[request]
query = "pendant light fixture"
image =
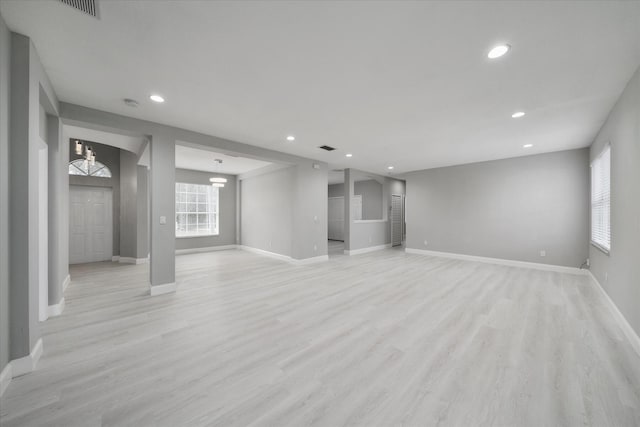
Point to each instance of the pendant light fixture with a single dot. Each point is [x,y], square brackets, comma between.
[217,181]
[87,152]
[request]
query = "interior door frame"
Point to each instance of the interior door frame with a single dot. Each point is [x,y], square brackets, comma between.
[402,218]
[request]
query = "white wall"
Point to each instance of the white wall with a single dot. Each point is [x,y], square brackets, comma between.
[619,271]
[510,209]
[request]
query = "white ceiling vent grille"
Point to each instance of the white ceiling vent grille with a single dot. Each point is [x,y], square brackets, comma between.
[90,7]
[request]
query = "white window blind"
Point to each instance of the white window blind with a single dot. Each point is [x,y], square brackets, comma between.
[196,210]
[601,200]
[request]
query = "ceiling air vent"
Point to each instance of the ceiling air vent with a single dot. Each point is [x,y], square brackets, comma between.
[326,147]
[89,7]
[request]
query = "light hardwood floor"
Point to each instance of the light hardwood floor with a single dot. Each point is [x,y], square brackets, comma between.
[382,339]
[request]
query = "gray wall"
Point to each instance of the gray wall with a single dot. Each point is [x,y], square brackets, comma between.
[30,89]
[309,234]
[5,54]
[128,204]
[267,211]
[619,271]
[142,231]
[109,156]
[371,192]
[510,209]
[227,214]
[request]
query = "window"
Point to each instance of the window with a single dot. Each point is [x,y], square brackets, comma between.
[196,210]
[601,200]
[79,167]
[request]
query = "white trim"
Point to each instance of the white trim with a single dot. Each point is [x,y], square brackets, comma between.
[367,250]
[66,282]
[27,364]
[5,378]
[195,236]
[369,221]
[56,309]
[130,260]
[622,322]
[303,261]
[205,249]
[312,260]
[115,258]
[266,253]
[499,261]
[165,288]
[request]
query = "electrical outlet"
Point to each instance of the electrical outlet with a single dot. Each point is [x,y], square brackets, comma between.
[543,253]
[426,243]
[588,262]
[315,247]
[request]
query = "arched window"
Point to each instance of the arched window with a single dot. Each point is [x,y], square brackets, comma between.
[79,167]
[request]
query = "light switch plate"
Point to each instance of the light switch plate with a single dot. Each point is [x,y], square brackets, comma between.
[163,220]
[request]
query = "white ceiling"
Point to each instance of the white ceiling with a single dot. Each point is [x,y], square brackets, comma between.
[203,160]
[402,83]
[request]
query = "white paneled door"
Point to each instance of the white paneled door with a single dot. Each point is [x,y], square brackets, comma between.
[90,224]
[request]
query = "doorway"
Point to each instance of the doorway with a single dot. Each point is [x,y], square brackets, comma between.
[91,225]
[397,219]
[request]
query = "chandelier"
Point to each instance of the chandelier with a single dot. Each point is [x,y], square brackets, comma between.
[87,152]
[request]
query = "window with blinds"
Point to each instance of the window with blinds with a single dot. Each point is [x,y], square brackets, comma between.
[601,200]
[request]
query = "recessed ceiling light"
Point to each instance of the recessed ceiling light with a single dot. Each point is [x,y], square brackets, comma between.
[498,51]
[156,98]
[527,146]
[389,167]
[518,114]
[348,155]
[291,138]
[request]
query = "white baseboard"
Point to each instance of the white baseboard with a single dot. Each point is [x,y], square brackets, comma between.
[499,261]
[66,282]
[205,249]
[115,258]
[5,378]
[130,260]
[266,253]
[166,288]
[27,364]
[312,260]
[627,330]
[56,309]
[367,250]
[303,261]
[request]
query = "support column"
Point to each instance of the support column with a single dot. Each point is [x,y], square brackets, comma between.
[163,231]
[58,215]
[348,214]
[23,184]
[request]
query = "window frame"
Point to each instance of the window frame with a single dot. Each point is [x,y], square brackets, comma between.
[602,246]
[210,191]
[100,167]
